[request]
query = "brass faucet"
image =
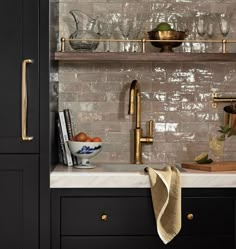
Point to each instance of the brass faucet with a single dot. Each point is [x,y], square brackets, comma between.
[135,108]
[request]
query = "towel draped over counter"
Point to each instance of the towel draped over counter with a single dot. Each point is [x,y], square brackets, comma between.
[166,199]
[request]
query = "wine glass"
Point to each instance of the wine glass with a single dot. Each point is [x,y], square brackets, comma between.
[211,21]
[106,26]
[201,25]
[210,25]
[201,29]
[125,24]
[138,25]
[224,24]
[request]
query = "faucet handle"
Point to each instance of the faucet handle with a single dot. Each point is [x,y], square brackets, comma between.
[150,128]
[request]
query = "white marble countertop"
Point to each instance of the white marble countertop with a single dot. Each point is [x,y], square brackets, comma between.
[133,176]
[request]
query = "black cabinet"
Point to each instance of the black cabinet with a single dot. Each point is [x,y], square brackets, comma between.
[20,41]
[123,218]
[146,242]
[107,216]
[24,159]
[19,201]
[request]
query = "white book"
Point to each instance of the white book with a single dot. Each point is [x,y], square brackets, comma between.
[65,138]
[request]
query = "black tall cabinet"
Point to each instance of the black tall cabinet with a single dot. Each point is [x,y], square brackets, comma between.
[24,159]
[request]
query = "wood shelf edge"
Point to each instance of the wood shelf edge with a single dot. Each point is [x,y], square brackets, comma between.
[152,56]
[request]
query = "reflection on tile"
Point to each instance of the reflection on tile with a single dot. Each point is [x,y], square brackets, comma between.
[160,96]
[181,136]
[177,96]
[171,127]
[166,127]
[194,106]
[194,126]
[204,116]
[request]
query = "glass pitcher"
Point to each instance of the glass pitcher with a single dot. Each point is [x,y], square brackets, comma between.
[85,31]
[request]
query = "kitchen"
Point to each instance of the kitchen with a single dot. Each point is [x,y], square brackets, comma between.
[176,95]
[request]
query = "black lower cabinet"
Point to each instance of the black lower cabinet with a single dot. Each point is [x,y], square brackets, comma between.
[124,218]
[145,242]
[19,202]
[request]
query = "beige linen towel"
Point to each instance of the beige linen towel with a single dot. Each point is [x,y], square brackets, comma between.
[166,199]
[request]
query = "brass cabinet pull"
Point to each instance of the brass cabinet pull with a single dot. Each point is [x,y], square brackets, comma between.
[24,101]
[190,216]
[104,217]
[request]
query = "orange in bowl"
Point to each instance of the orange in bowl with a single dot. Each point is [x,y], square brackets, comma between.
[81,137]
[88,139]
[96,139]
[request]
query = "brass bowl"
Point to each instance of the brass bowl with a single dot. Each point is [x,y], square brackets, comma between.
[166,35]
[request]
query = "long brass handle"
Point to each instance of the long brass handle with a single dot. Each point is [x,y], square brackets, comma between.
[24,102]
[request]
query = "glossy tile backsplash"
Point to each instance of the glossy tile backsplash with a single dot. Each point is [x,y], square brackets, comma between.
[177,96]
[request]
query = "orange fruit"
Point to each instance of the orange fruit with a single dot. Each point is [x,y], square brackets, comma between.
[88,139]
[81,137]
[97,139]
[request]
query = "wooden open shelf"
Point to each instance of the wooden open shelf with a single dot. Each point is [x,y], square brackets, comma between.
[158,57]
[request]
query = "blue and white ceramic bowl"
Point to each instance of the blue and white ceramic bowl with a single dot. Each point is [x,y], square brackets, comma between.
[84,151]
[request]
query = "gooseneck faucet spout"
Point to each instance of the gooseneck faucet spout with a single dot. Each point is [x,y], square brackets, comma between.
[135,109]
[135,98]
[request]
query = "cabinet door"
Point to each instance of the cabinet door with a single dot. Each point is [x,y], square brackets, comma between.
[124,216]
[19,201]
[19,41]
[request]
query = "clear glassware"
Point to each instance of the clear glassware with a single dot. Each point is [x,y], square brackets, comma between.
[125,25]
[224,24]
[84,33]
[201,26]
[210,25]
[106,26]
[126,22]
[211,21]
[216,145]
[137,28]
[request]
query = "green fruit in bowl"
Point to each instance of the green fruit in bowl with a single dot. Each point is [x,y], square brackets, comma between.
[163,26]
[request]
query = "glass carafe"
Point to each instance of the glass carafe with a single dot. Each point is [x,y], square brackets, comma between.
[85,32]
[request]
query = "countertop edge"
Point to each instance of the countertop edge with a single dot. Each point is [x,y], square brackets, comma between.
[70,178]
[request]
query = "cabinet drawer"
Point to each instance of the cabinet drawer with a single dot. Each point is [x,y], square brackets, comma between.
[107,216]
[145,242]
[111,242]
[134,216]
[211,215]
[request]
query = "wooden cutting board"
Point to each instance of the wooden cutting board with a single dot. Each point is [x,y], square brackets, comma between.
[221,166]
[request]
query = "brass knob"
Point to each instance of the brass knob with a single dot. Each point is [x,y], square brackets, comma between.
[190,216]
[104,217]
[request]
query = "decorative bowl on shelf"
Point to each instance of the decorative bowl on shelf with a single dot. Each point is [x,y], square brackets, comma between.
[84,151]
[166,35]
